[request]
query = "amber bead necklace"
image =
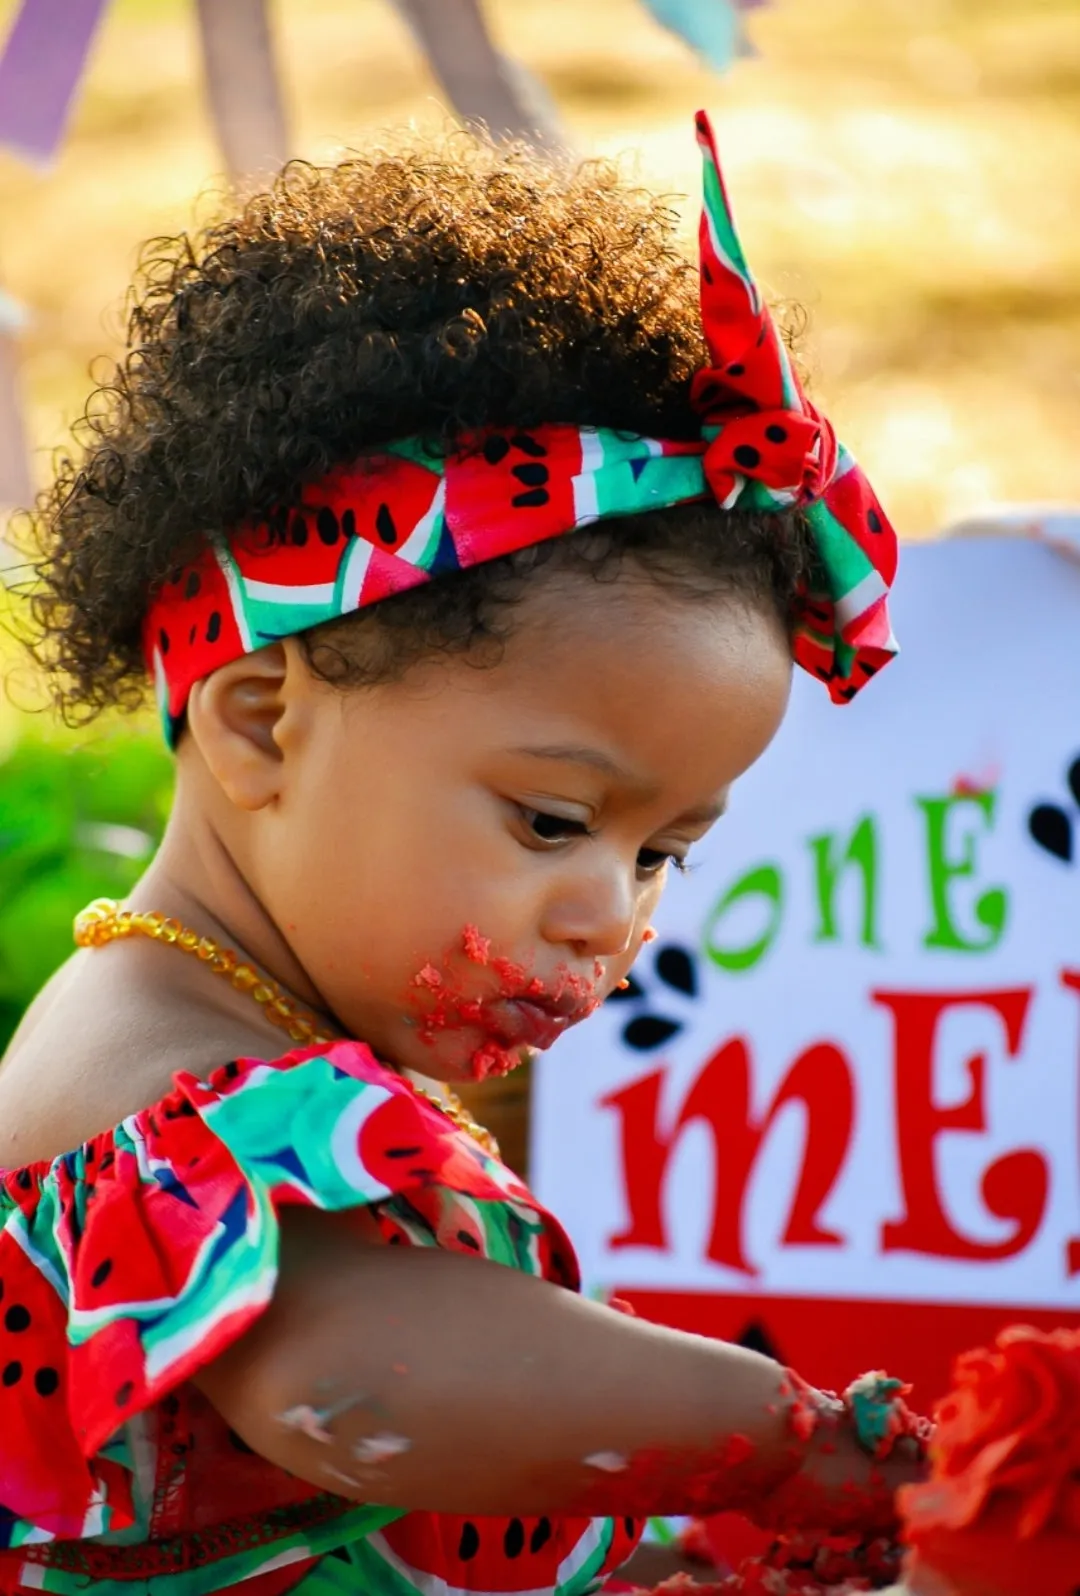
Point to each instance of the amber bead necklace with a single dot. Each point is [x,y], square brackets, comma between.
[104,921]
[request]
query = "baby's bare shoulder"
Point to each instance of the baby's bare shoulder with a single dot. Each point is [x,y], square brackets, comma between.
[102,1040]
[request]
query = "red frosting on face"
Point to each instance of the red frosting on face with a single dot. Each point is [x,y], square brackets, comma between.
[452,998]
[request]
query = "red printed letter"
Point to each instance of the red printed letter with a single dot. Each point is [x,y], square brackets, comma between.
[1013,1187]
[1071,980]
[820,1079]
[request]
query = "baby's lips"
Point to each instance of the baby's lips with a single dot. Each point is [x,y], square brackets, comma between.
[521,1022]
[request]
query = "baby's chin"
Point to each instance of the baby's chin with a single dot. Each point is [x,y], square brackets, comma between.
[465,1058]
[486,1063]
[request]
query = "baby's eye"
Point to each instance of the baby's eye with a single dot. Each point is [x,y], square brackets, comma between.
[553,828]
[651,861]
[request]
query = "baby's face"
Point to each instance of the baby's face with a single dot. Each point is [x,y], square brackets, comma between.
[465,861]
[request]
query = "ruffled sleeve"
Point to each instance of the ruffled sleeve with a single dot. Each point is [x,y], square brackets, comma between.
[130,1265]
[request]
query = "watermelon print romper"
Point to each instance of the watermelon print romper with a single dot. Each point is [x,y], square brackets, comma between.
[130,1264]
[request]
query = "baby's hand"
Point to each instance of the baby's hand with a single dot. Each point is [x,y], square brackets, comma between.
[841,1489]
[858,1452]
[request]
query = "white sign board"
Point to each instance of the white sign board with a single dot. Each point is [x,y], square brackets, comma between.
[838,1115]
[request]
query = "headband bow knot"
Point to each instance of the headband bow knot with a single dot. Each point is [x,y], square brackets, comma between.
[791,454]
[389,521]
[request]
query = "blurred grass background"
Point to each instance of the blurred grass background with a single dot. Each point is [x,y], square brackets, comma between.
[906,170]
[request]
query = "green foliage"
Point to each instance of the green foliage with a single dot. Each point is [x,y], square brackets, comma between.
[77,822]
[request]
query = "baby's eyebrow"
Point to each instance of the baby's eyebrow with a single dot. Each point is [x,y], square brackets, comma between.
[705,814]
[596,759]
[574,754]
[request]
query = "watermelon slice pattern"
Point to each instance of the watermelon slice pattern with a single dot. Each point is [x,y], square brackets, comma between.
[130,1264]
[392,520]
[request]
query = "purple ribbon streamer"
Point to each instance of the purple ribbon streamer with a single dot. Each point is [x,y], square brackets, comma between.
[40,72]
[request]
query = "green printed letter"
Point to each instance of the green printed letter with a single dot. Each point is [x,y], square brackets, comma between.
[766,883]
[830,861]
[990,908]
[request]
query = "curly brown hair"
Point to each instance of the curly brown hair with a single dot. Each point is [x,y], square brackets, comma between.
[422,290]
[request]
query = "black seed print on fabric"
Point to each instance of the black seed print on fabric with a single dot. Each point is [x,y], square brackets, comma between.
[192,635]
[747,456]
[736,370]
[705,272]
[348,523]
[873,520]
[540,1535]
[192,585]
[776,434]
[213,627]
[514,1539]
[468,1241]
[629,1525]
[123,1396]
[529,445]
[12,1373]
[163,640]
[46,1382]
[384,524]
[299,531]
[530,501]
[469,1544]
[533,476]
[101,1273]
[403,1152]
[17,1319]
[496,450]
[326,525]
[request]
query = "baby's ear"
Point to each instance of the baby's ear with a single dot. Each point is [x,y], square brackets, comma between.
[235,718]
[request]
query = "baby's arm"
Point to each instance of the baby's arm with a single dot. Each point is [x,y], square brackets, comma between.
[427,1380]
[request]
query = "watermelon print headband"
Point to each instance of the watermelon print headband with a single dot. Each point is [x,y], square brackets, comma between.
[403,516]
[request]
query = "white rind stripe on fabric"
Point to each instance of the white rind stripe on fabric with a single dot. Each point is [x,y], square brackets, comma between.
[736,493]
[862,596]
[415,544]
[737,271]
[589,1544]
[17,1228]
[289,593]
[89,1320]
[92,1525]
[250,1294]
[161,681]
[295,1554]
[345,1143]
[236,598]
[352,577]
[586,499]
